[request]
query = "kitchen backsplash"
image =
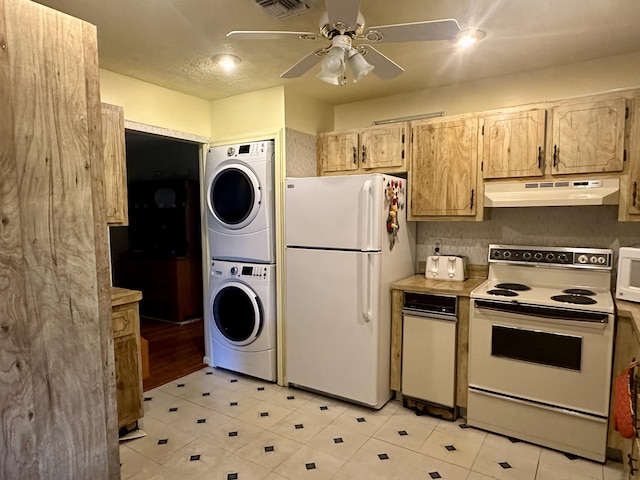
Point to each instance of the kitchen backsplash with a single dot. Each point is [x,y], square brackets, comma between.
[300,150]
[594,227]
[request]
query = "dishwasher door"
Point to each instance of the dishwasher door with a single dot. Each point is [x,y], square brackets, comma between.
[429,355]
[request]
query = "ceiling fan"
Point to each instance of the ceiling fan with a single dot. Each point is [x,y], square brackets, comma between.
[343,24]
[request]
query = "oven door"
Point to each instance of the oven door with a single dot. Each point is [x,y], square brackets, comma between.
[552,356]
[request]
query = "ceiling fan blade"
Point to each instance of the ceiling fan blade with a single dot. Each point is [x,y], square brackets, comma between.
[343,11]
[384,67]
[413,32]
[270,35]
[305,64]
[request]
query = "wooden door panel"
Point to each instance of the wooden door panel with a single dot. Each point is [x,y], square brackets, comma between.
[383,147]
[57,389]
[339,152]
[513,144]
[588,137]
[443,168]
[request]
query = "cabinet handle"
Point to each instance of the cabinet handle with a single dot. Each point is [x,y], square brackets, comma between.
[632,469]
[555,156]
[364,154]
[355,155]
[539,158]
[635,193]
[472,192]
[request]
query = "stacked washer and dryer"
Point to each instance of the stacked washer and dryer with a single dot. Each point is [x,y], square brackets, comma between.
[241,311]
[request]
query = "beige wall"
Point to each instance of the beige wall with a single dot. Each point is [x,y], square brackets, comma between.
[620,71]
[306,114]
[152,105]
[247,115]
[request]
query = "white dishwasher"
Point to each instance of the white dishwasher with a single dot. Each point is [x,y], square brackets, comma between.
[429,337]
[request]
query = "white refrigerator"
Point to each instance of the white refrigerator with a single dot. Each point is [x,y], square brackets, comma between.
[340,262]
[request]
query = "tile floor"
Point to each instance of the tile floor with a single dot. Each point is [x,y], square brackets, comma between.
[217,425]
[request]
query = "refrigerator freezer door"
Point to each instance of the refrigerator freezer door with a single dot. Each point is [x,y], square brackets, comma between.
[337,341]
[341,212]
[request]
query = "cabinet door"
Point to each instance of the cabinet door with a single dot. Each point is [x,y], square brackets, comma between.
[383,147]
[630,209]
[115,168]
[588,137]
[513,144]
[338,152]
[128,379]
[443,168]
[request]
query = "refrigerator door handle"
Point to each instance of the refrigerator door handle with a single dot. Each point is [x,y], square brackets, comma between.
[367,287]
[367,216]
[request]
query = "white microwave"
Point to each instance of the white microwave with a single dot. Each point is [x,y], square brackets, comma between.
[628,283]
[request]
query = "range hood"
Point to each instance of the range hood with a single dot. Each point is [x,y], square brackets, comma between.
[557,193]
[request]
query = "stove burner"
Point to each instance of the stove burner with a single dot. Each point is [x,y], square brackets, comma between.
[578,291]
[513,286]
[503,292]
[578,299]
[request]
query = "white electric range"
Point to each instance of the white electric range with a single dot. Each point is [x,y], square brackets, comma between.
[541,333]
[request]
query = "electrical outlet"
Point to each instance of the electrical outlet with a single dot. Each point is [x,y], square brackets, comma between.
[437,244]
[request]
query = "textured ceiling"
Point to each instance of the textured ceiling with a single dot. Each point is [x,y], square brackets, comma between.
[170,42]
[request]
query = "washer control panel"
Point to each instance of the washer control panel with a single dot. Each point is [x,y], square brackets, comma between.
[599,258]
[224,268]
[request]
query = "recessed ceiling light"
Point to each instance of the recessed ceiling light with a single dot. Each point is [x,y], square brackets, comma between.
[226,61]
[466,38]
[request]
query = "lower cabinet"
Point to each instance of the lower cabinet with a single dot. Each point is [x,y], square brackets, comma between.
[128,362]
[632,461]
[627,348]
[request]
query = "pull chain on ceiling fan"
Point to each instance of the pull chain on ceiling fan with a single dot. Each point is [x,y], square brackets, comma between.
[342,24]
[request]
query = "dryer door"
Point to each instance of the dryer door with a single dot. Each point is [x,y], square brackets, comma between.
[234,196]
[237,313]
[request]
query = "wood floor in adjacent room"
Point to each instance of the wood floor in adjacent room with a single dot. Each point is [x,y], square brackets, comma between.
[174,350]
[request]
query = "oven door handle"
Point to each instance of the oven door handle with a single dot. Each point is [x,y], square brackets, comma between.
[543,312]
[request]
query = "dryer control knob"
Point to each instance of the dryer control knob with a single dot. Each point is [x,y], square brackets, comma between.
[234,270]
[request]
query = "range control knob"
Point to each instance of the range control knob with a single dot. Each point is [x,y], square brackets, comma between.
[538,256]
[550,256]
[563,257]
[593,259]
[496,253]
[526,255]
[602,260]
[234,270]
[506,254]
[583,259]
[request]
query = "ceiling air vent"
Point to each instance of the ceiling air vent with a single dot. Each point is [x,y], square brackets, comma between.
[283,8]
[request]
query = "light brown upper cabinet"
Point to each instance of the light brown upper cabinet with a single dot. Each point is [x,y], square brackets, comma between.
[367,150]
[512,144]
[115,168]
[587,137]
[443,175]
[571,138]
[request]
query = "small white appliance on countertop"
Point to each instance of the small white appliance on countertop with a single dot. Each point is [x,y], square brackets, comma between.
[446,267]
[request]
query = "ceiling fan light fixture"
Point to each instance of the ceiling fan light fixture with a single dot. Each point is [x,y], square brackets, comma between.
[226,61]
[359,67]
[332,79]
[466,38]
[333,63]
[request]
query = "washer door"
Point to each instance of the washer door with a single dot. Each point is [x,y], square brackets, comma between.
[238,313]
[234,196]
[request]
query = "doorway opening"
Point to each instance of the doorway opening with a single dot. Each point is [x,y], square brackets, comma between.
[160,252]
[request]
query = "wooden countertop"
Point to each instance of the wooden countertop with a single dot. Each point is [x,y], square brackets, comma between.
[122,296]
[418,283]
